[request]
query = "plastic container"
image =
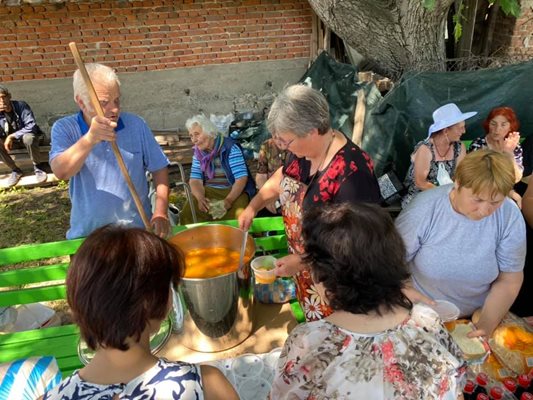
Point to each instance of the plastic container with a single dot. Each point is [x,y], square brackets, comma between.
[247,366]
[263,268]
[447,311]
[254,389]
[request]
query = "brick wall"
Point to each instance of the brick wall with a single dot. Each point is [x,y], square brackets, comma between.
[135,36]
[514,36]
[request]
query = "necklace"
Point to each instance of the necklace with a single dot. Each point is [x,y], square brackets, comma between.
[317,172]
[441,155]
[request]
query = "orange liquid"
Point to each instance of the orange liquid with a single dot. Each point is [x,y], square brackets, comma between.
[264,281]
[208,263]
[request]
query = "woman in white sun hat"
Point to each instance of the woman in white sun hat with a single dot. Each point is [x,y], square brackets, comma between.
[434,159]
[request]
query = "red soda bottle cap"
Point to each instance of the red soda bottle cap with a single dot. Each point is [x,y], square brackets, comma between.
[482,379]
[509,384]
[469,387]
[530,374]
[523,380]
[482,396]
[496,393]
[526,396]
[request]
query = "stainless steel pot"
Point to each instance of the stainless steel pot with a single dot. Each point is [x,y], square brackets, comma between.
[217,312]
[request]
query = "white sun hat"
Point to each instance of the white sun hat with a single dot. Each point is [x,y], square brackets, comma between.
[446,116]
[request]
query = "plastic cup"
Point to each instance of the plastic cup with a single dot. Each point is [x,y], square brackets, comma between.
[447,311]
[263,268]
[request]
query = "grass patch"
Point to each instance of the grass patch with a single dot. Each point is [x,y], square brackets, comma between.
[36,215]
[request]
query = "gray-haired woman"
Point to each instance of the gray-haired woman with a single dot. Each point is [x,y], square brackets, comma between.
[323,167]
[218,173]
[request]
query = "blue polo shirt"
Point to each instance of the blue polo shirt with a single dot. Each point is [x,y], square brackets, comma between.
[98,192]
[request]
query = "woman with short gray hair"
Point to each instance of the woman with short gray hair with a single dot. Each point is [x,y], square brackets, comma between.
[323,167]
[221,182]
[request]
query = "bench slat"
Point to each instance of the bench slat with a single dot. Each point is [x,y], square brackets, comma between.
[32,295]
[33,252]
[36,274]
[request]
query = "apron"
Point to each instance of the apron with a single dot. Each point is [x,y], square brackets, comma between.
[292,199]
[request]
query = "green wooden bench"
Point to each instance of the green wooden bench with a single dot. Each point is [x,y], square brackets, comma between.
[17,287]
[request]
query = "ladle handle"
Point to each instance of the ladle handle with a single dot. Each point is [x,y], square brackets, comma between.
[240,272]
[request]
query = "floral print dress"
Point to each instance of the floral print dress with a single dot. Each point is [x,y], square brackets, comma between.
[349,177]
[415,360]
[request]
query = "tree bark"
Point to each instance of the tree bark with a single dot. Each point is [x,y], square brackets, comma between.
[394,35]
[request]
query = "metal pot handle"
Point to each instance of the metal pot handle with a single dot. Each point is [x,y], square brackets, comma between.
[177,311]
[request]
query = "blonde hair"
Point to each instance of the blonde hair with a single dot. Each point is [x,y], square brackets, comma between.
[486,170]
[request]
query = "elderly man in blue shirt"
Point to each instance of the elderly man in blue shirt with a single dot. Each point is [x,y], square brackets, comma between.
[17,123]
[82,152]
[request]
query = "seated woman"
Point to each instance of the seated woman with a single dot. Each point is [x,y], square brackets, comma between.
[441,150]
[118,287]
[466,242]
[271,158]
[375,344]
[219,174]
[501,134]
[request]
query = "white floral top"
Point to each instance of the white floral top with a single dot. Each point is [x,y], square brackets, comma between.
[415,360]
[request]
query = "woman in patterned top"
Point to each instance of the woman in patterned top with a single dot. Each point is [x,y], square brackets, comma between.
[118,287]
[433,160]
[375,344]
[323,166]
[219,174]
[501,134]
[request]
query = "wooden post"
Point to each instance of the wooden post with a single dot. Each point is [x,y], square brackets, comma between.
[359,118]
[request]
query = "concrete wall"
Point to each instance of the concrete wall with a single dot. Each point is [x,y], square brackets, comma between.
[165,99]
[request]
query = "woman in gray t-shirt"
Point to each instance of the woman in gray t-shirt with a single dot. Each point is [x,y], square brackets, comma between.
[466,242]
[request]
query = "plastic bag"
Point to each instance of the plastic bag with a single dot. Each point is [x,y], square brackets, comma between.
[217,209]
[443,177]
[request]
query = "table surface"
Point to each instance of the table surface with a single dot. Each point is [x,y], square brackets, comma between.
[272,325]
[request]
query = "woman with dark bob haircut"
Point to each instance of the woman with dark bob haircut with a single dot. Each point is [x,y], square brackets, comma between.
[375,344]
[119,290]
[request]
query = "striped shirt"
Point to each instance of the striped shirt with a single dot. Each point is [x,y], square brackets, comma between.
[220,180]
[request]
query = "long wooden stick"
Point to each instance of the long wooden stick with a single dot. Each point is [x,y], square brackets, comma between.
[98,108]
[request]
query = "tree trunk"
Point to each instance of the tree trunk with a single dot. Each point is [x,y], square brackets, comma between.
[394,35]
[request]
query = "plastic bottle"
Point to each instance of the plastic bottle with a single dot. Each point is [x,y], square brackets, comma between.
[523,385]
[496,393]
[510,385]
[526,396]
[482,380]
[482,396]
[468,390]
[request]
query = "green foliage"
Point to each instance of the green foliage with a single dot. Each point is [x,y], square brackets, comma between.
[509,7]
[457,26]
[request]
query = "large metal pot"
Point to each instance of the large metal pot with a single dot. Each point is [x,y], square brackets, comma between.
[217,312]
